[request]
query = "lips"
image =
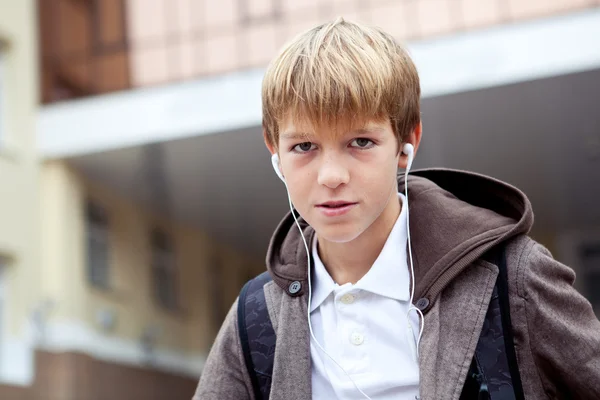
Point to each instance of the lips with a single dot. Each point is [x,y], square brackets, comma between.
[335,208]
[335,204]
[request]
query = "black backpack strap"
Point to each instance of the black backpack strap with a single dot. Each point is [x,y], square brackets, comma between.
[509,341]
[257,336]
[494,372]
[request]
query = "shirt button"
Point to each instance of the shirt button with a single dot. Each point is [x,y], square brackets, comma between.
[347,298]
[357,339]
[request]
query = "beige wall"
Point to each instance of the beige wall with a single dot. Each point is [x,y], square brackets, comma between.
[190,329]
[19,236]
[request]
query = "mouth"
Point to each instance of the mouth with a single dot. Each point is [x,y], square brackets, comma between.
[335,208]
[336,204]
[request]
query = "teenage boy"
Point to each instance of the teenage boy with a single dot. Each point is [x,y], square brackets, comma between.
[341,115]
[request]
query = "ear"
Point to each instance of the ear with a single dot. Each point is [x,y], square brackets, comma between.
[415,139]
[268,143]
[273,151]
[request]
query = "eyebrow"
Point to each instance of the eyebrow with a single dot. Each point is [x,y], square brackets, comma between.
[366,131]
[295,135]
[306,136]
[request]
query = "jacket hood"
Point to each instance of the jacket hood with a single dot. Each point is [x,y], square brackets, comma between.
[455,218]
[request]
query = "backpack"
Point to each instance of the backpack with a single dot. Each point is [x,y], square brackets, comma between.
[493,374]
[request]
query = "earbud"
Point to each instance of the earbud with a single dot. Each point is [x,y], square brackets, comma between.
[275,162]
[409,150]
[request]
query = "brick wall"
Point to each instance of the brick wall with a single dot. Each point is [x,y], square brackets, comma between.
[195,38]
[136,43]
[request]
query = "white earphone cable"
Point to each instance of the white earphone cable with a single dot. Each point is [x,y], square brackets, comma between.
[412,268]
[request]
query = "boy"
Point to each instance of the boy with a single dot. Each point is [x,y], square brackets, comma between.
[341,115]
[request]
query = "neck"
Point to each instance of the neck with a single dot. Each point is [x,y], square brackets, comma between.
[350,261]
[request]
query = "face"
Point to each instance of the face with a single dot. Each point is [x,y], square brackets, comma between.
[342,184]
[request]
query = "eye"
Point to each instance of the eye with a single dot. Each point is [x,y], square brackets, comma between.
[304,147]
[362,143]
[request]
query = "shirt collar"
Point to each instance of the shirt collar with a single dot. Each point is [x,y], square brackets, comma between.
[322,284]
[388,276]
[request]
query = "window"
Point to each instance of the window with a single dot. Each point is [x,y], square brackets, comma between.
[91,56]
[164,270]
[591,270]
[98,246]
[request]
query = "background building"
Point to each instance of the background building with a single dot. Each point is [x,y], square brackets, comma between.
[20,255]
[138,195]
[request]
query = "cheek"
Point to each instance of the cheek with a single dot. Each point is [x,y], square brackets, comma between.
[298,189]
[381,173]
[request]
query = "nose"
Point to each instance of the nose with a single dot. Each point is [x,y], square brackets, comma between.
[332,173]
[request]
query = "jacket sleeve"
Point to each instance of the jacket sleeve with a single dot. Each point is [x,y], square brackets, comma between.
[224,376]
[564,333]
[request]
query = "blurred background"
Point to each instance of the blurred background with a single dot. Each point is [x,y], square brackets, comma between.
[136,194]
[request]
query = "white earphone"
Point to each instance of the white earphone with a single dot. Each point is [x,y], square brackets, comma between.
[275,162]
[407,149]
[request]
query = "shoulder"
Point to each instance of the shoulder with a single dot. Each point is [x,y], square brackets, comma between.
[557,334]
[259,296]
[255,286]
[530,264]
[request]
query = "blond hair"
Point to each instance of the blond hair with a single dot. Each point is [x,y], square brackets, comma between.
[341,70]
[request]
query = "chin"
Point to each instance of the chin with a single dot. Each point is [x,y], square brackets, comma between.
[337,233]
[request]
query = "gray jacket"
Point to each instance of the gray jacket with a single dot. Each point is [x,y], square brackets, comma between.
[455,217]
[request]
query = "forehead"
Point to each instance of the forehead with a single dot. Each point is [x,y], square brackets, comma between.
[304,128]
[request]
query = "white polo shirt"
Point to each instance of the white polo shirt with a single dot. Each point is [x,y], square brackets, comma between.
[365,329]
